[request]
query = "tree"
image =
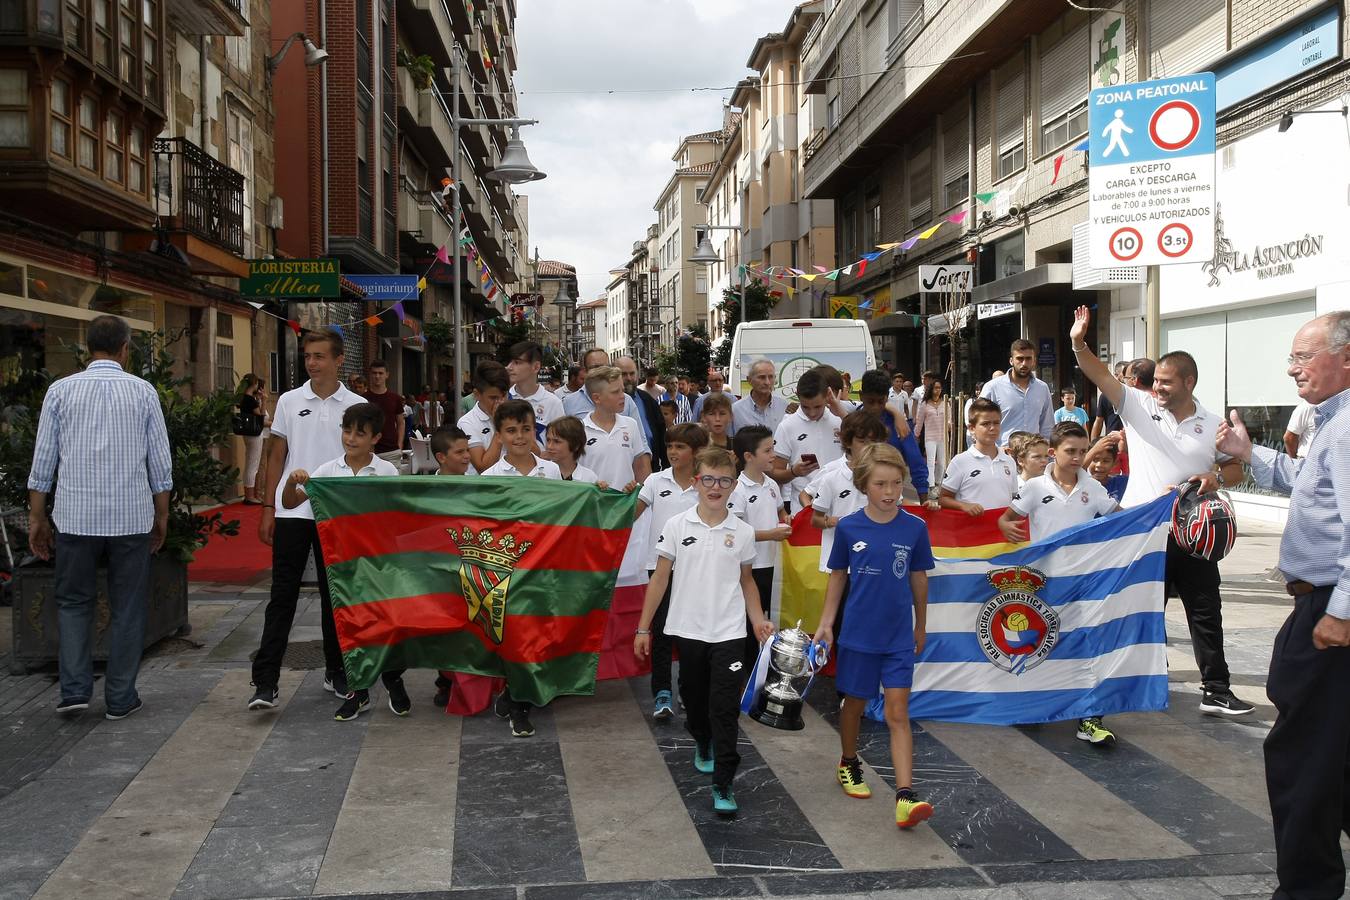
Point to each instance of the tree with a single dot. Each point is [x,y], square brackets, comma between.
[693,352]
[759,303]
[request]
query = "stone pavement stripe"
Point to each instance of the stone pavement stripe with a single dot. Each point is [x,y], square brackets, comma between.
[1091,819]
[728,886]
[769,833]
[1207,821]
[513,818]
[243,639]
[1228,769]
[871,883]
[33,736]
[861,833]
[45,819]
[1246,734]
[145,841]
[271,836]
[630,819]
[976,819]
[396,829]
[1126,870]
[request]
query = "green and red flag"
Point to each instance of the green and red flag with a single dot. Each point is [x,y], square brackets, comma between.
[508,577]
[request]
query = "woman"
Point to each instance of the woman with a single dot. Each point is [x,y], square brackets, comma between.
[252,402]
[931,430]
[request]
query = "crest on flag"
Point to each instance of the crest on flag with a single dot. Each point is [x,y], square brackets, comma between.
[485,571]
[1017,629]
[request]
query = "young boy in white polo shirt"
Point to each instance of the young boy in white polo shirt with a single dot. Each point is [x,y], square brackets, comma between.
[523,369]
[666,494]
[807,439]
[759,501]
[489,389]
[1063,496]
[361,427]
[615,449]
[983,477]
[711,553]
[514,424]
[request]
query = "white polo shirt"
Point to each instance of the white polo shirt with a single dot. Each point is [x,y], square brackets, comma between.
[758,505]
[706,601]
[543,468]
[1164,451]
[583,475]
[312,428]
[547,407]
[1050,510]
[478,426]
[338,468]
[664,498]
[610,454]
[976,478]
[797,435]
[835,494]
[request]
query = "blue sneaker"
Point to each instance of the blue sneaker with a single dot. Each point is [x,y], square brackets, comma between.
[724,802]
[663,710]
[703,758]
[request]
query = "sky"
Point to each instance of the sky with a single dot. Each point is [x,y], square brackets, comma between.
[608,156]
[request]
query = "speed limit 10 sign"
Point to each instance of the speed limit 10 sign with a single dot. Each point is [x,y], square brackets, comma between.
[1151,172]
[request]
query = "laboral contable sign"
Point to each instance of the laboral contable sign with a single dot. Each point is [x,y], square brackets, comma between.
[945,279]
[1151,172]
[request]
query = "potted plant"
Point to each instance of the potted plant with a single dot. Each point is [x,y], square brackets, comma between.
[195,425]
[423,71]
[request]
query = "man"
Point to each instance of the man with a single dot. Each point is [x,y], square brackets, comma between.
[1023,398]
[1308,749]
[580,403]
[897,392]
[649,412]
[1302,428]
[306,433]
[1108,420]
[652,383]
[717,384]
[103,430]
[916,394]
[573,382]
[1171,439]
[763,405]
[523,370]
[684,407]
[1139,373]
[390,403]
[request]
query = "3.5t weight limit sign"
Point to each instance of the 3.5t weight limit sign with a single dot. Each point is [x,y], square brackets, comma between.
[1151,172]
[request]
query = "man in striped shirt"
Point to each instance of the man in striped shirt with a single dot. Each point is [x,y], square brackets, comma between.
[103,430]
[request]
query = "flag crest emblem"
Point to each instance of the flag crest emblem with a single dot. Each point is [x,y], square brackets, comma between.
[1017,630]
[485,575]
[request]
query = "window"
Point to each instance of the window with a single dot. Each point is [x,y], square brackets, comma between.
[920,171]
[848,232]
[127,39]
[1064,83]
[239,156]
[237,49]
[224,325]
[88,141]
[74,25]
[1010,112]
[363,71]
[150,47]
[136,160]
[13,108]
[103,33]
[1184,35]
[901,13]
[225,365]
[832,107]
[701,281]
[114,148]
[955,158]
[61,121]
[871,221]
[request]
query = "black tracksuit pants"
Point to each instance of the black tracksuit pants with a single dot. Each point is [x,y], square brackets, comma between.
[292,542]
[1196,581]
[711,676]
[661,643]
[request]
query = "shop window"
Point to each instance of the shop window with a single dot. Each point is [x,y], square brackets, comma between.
[136,160]
[11,279]
[62,125]
[114,148]
[13,108]
[88,140]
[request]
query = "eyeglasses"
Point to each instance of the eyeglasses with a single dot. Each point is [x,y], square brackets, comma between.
[1302,359]
[722,481]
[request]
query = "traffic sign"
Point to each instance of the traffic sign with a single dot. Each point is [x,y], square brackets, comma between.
[1151,172]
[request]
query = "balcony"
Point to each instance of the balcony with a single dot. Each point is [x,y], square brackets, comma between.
[428,27]
[227,17]
[423,223]
[425,118]
[200,207]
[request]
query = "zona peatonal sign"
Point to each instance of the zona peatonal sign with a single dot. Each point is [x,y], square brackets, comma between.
[1151,172]
[291,279]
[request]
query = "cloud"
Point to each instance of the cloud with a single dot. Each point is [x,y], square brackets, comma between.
[608,155]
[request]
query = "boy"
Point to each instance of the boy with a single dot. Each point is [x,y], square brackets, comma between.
[806,439]
[361,428]
[883,555]
[758,500]
[834,496]
[711,552]
[669,410]
[1102,460]
[523,370]
[666,494]
[450,448]
[898,431]
[513,421]
[1064,496]
[615,448]
[716,420]
[983,477]
[1071,411]
[490,385]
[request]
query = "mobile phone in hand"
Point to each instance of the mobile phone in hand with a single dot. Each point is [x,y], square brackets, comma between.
[810,459]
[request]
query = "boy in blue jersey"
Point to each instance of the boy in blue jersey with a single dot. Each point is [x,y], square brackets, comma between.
[884,555]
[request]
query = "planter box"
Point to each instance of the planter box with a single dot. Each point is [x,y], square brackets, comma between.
[35,613]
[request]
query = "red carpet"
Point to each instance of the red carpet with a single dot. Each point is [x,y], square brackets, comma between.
[241,559]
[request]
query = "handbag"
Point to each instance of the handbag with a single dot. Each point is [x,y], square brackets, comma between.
[247,424]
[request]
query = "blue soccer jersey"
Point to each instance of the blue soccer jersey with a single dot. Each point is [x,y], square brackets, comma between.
[879,611]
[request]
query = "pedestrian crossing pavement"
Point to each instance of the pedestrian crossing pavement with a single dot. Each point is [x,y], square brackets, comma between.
[199,799]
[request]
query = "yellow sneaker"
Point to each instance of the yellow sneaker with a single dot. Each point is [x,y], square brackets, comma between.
[851,780]
[1094,732]
[909,813]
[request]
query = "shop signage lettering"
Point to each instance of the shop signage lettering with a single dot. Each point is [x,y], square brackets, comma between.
[291,279]
[945,279]
[1269,261]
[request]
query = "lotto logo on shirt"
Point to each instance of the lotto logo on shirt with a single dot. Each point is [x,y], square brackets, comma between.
[860,546]
[590,442]
[304,412]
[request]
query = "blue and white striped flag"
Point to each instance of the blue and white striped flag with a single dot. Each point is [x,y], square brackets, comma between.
[1065,628]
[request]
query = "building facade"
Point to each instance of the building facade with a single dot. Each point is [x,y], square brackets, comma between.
[681,299]
[591,331]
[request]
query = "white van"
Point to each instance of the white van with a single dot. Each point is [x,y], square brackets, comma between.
[795,345]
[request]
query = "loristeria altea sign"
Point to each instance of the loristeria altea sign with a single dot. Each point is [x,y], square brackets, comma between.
[291,279]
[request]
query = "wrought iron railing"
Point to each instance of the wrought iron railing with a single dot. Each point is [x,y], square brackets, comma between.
[204,196]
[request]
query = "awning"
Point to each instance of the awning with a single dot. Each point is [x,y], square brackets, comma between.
[1025,285]
[939,324]
[893,322]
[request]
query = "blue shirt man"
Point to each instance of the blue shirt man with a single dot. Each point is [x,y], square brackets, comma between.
[1022,397]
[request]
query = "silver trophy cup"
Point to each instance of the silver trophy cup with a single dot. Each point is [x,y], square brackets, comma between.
[779,704]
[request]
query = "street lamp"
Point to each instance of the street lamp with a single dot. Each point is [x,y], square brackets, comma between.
[705,255]
[564,301]
[515,168]
[314,56]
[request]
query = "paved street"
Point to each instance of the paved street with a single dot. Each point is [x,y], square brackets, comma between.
[196,798]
